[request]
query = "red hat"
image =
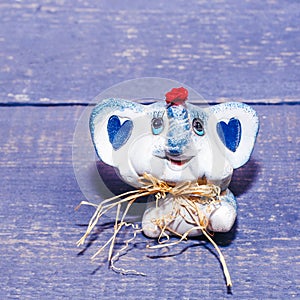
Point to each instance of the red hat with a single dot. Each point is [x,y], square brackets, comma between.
[177,96]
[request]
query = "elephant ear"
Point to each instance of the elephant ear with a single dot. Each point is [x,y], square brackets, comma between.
[235,126]
[112,126]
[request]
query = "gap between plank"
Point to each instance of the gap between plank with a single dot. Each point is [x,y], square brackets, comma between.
[57,104]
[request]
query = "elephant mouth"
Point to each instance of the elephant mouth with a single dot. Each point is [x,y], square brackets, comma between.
[178,161]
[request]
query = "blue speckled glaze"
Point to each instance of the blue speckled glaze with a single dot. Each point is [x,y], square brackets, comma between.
[178,135]
[229,198]
[197,112]
[230,134]
[113,104]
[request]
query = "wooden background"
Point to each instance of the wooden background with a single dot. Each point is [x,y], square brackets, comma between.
[57,55]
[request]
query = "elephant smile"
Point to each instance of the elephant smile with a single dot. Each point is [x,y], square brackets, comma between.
[178,161]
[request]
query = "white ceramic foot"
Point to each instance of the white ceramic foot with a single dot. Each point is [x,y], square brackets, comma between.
[221,218]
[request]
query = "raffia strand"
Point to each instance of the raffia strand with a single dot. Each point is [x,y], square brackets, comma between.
[186,196]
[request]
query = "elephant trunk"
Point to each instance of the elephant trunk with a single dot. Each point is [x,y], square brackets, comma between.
[178,135]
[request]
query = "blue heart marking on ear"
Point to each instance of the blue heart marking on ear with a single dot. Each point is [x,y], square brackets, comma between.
[118,134]
[230,134]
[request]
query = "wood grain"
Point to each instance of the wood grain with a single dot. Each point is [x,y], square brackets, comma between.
[72,50]
[57,55]
[39,258]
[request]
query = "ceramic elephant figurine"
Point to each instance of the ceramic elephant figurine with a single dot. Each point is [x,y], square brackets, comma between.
[176,142]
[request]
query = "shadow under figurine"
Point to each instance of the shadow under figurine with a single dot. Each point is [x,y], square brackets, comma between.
[179,152]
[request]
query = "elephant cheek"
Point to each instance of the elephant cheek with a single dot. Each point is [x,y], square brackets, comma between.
[213,165]
[220,177]
[142,159]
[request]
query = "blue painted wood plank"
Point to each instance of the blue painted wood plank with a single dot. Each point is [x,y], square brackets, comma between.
[64,53]
[71,50]
[39,227]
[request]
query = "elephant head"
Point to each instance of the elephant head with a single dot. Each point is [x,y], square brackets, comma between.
[174,140]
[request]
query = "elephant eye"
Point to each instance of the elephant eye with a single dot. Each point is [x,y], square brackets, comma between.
[157,125]
[198,127]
